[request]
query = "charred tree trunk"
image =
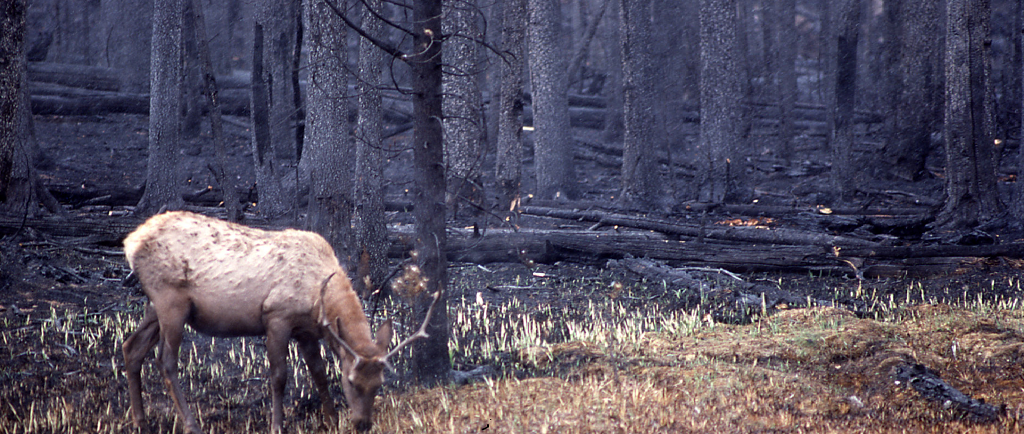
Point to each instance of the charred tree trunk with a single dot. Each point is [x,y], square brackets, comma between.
[226,181]
[1018,206]
[271,201]
[971,198]
[613,91]
[848,29]
[509,163]
[278,18]
[787,75]
[430,358]
[12,102]
[371,237]
[917,90]
[162,178]
[192,98]
[719,100]
[329,148]
[463,120]
[552,148]
[640,171]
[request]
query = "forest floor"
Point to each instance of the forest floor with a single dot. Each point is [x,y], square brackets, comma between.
[571,347]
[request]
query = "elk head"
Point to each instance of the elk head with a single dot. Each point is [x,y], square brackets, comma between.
[363,374]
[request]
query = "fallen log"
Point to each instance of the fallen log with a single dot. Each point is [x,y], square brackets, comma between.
[83,76]
[750,234]
[104,230]
[89,105]
[933,388]
[60,100]
[50,99]
[593,247]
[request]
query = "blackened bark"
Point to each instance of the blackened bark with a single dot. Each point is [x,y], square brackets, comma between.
[553,163]
[786,75]
[328,142]
[675,59]
[640,171]
[430,360]
[971,198]
[827,67]
[613,127]
[769,91]
[12,79]
[1018,189]
[918,90]
[271,200]
[847,33]
[192,98]
[719,100]
[162,178]
[933,388]
[1014,95]
[225,180]
[279,18]
[371,237]
[463,119]
[509,162]
[889,67]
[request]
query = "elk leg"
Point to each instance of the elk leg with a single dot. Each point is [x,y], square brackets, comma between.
[277,353]
[135,349]
[317,371]
[172,328]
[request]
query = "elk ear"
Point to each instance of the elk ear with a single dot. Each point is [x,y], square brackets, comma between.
[384,334]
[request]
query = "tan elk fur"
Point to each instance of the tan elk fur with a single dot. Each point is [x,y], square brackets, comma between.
[226,280]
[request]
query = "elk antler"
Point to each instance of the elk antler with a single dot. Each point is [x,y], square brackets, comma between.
[323,290]
[326,323]
[421,333]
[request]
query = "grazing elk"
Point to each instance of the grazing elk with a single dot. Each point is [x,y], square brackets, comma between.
[229,280]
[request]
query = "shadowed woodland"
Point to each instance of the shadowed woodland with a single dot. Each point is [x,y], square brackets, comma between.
[726,193]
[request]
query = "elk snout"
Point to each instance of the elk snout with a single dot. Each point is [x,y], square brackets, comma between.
[363,425]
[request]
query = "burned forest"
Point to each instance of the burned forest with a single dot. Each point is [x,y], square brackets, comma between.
[603,215]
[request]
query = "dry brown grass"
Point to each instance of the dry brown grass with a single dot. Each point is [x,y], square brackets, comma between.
[809,370]
[818,370]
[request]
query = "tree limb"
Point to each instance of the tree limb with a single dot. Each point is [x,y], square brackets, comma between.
[386,47]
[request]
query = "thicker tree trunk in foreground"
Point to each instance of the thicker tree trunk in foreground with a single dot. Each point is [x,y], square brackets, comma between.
[370,222]
[509,160]
[971,197]
[719,101]
[12,81]
[847,32]
[552,154]
[463,119]
[641,186]
[162,178]
[328,142]
[430,358]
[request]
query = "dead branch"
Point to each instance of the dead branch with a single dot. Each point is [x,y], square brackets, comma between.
[933,388]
